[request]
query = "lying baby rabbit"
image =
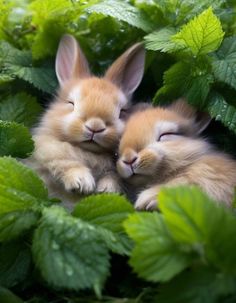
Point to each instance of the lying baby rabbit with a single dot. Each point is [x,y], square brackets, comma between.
[77,136]
[161,147]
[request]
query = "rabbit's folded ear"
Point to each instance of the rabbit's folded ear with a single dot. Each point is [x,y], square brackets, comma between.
[70,60]
[199,119]
[127,71]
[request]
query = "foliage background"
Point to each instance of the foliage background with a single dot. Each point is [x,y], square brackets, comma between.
[47,255]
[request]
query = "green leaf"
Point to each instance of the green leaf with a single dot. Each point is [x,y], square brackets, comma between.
[15,261]
[197,286]
[224,63]
[188,217]
[155,257]
[161,40]
[69,252]
[15,140]
[122,11]
[108,211]
[20,108]
[219,109]
[16,223]
[186,212]
[7,296]
[201,35]
[20,188]
[18,64]
[185,79]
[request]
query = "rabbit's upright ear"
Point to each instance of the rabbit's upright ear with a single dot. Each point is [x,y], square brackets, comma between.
[127,71]
[70,60]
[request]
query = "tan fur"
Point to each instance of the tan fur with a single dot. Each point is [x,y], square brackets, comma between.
[182,159]
[68,155]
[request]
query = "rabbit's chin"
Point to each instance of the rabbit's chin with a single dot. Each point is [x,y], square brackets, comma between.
[92,146]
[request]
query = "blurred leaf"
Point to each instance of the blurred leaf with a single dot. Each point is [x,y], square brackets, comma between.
[20,188]
[6,296]
[15,223]
[20,108]
[15,259]
[122,11]
[15,140]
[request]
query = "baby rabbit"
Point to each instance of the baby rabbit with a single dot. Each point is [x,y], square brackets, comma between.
[161,147]
[77,136]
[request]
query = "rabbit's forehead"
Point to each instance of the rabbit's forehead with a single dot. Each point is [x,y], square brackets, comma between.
[165,126]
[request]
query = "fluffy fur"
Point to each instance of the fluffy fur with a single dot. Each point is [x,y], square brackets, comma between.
[77,135]
[161,147]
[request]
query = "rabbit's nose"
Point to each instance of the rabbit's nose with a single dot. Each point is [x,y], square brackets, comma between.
[131,161]
[95,130]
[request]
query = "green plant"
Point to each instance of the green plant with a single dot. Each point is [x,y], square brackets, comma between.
[183,254]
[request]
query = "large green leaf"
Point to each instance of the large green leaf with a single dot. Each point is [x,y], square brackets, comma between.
[188,216]
[155,257]
[15,259]
[224,63]
[122,11]
[108,211]
[69,252]
[201,35]
[219,109]
[15,140]
[20,188]
[201,285]
[20,108]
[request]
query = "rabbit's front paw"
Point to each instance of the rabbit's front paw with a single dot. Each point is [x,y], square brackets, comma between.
[108,185]
[79,180]
[147,200]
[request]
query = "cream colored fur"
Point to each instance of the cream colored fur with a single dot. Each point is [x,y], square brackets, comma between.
[168,152]
[79,133]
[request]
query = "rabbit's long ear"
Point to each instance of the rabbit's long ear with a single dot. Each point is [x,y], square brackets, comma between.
[70,60]
[127,71]
[200,120]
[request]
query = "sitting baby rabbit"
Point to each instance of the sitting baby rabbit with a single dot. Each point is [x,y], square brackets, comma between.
[78,134]
[161,147]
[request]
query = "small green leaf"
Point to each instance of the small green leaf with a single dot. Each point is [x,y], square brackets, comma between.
[122,11]
[69,252]
[219,109]
[155,257]
[20,187]
[15,260]
[15,140]
[224,63]
[20,108]
[15,223]
[201,35]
